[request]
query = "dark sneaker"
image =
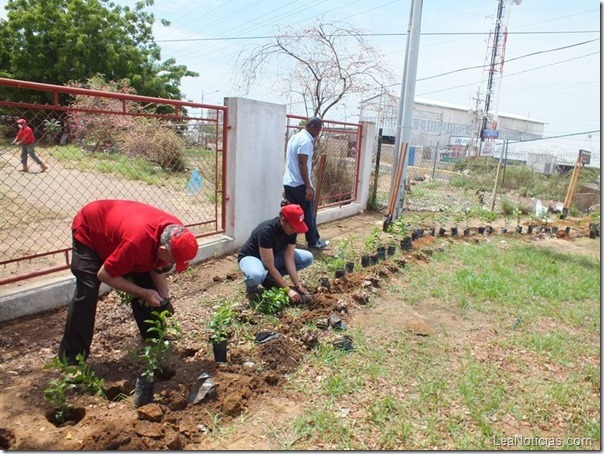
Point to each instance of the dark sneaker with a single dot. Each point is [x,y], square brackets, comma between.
[319,245]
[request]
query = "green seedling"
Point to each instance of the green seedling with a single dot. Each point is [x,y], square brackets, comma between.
[372,241]
[273,301]
[154,355]
[124,297]
[518,214]
[221,322]
[469,214]
[460,215]
[595,217]
[487,215]
[398,227]
[81,375]
[56,395]
[74,377]
[335,263]
[344,249]
[544,217]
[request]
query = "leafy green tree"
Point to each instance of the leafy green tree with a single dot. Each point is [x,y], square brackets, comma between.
[57,41]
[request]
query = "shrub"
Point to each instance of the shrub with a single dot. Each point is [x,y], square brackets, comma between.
[478,164]
[95,131]
[507,206]
[462,181]
[157,143]
[52,127]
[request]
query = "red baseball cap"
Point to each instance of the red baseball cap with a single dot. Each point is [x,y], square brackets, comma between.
[21,121]
[183,246]
[294,215]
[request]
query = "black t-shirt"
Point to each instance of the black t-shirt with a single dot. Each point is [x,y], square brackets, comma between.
[269,234]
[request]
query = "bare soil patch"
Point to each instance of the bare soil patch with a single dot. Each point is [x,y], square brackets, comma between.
[251,395]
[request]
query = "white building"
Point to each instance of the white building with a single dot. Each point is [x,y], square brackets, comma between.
[453,127]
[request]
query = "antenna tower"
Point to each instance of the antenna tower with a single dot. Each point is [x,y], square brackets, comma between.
[488,131]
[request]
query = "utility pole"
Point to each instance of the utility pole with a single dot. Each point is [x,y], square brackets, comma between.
[474,130]
[405,115]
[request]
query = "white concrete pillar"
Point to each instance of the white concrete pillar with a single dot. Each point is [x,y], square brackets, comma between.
[255,165]
[366,161]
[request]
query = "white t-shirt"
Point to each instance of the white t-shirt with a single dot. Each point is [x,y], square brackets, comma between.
[300,143]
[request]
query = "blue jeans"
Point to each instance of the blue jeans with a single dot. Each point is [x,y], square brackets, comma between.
[297,195]
[255,273]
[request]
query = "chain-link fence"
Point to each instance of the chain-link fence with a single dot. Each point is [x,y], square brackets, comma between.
[339,144]
[97,145]
[527,176]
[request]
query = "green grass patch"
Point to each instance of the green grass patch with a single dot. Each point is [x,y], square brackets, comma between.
[519,355]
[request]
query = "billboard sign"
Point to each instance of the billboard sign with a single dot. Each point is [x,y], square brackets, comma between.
[490,133]
[584,157]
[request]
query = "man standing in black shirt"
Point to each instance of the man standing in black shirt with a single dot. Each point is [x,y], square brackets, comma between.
[270,253]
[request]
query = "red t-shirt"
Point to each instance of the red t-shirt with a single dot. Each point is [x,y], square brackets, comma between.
[25,135]
[125,234]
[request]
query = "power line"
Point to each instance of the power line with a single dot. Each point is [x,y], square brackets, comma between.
[507,75]
[274,20]
[483,66]
[230,38]
[558,137]
[509,60]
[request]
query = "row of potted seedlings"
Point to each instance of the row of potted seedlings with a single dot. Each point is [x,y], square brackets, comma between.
[383,251]
[488,230]
[405,244]
[380,253]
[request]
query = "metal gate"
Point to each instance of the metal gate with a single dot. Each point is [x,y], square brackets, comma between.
[340,142]
[102,145]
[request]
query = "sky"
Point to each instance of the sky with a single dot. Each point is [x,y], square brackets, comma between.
[552,54]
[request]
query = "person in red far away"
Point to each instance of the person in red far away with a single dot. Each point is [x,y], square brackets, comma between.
[25,138]
[129,246]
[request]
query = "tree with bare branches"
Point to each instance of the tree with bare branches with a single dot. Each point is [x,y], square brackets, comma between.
[323,65]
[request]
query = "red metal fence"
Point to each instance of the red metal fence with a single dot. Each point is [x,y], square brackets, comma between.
[102,145]
[341,144]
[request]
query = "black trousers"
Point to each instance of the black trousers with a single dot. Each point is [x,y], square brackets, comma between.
[297,195]
[79,327]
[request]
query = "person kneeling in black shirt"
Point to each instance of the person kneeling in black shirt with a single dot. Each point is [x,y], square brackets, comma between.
[270,253]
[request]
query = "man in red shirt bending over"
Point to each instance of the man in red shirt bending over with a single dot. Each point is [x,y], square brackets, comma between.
[25,138]
[130,246]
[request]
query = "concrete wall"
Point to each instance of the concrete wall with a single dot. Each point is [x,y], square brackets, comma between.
[255,164]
